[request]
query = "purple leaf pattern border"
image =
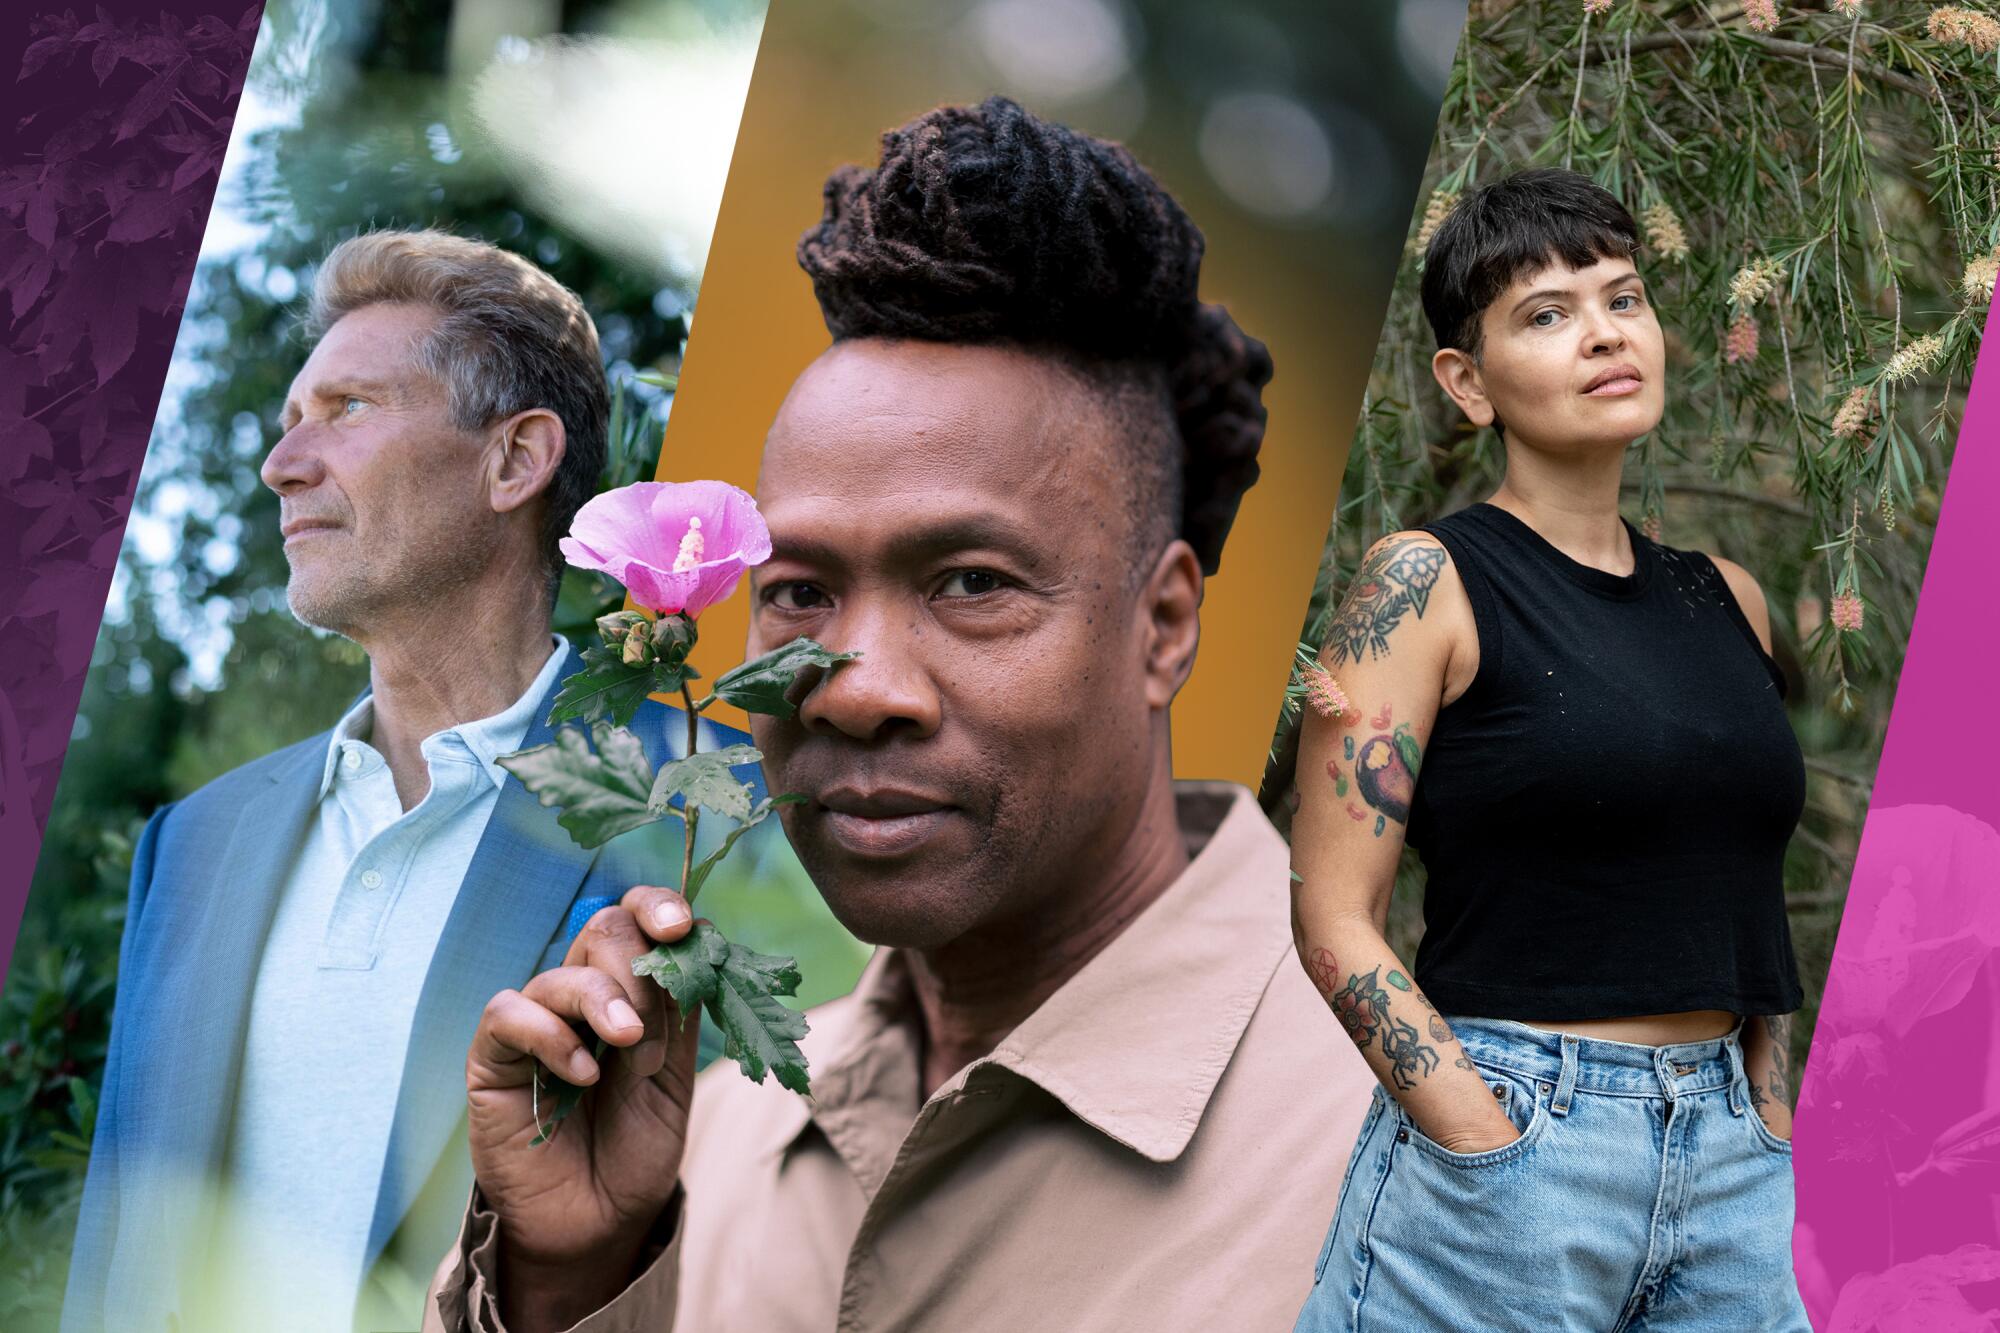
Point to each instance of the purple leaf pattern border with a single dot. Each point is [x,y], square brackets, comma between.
[119,119]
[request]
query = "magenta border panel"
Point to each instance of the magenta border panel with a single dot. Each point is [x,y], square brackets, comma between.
[117,120]
[1898,1139]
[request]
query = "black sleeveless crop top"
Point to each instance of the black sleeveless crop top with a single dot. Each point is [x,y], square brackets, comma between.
[1603,814]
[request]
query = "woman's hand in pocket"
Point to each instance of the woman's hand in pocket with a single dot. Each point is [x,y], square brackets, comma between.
[1492,1130]
[1777,1117]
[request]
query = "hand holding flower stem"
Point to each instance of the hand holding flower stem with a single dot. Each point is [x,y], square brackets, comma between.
[678,549]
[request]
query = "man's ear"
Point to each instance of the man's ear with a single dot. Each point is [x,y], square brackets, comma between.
[1172,609]
[1458,375]
[528,448]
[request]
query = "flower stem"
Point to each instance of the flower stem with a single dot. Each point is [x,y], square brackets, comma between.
[691,812]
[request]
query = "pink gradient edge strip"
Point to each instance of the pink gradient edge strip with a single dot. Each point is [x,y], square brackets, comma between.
[1897,1143]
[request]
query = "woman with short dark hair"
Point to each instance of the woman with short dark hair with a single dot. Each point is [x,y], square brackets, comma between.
[1583,1121]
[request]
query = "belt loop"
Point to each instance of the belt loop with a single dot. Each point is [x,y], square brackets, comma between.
[1566,1085]
[1738,1081]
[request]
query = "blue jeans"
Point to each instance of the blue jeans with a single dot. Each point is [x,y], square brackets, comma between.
[1644,1193]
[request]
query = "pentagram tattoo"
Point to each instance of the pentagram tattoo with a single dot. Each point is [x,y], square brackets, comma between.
[1325,972]
[1392,582]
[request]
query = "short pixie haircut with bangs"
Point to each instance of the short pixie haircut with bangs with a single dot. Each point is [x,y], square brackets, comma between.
[1515,226]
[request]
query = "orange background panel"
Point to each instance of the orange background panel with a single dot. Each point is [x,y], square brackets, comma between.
[823,91]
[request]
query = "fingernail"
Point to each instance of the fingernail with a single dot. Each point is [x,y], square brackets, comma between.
[622,1015]
[582,1068]
[670,914]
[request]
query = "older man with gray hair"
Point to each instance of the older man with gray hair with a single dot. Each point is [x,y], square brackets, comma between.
[312,936]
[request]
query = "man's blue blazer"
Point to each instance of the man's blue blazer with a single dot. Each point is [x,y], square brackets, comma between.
[206,878]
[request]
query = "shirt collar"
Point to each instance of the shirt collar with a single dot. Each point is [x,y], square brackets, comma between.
[1135,1043]
[485,739]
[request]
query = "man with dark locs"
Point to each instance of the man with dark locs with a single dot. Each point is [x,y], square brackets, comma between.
[1081,1087]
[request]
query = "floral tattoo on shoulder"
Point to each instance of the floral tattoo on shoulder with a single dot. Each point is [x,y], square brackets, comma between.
[1393,582]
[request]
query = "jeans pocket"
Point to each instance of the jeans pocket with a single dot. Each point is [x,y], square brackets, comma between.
[1760,1131]
[1523,1101]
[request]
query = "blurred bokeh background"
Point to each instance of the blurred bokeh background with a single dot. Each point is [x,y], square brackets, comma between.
[1818,189]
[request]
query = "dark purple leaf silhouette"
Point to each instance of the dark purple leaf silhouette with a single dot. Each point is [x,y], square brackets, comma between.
[151,102]
[39,54]
[105,184]
[42,216]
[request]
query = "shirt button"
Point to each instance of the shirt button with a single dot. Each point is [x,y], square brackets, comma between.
[371,879]
[350,761]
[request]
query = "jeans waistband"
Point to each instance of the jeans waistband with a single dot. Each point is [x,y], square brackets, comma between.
[1592,1064]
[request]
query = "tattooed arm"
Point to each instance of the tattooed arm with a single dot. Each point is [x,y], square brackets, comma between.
[1767,1065]
[1402,643]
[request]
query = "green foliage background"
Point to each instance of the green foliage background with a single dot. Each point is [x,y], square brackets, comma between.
[1852,157]
[383,137]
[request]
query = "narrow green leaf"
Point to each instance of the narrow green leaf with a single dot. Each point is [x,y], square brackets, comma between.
[759,685]
[704,779]
[602,795]
[698,875]
[741,989]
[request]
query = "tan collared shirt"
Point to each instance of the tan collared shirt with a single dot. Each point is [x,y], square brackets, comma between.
[1159,1146]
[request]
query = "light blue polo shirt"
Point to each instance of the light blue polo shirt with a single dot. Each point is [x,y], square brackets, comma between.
[336,991]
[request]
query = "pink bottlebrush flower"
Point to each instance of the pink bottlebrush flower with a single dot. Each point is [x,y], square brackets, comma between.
[1741,344]
[1761,15]
[678,547]
[1753,282]
[1968,27]
[1847,8]
[1435,212]
[1852,419]
[1324,693]
[1915,358]
[1596,6]
[1664,234]
[1847,612]
[1981,275]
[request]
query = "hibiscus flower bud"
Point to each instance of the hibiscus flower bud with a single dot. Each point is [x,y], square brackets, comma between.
[673,638]
[614,627]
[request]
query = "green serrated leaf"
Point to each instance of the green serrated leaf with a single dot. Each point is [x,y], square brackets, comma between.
[704,779]
[608,689]
[689,968]
[740,987]
[602,795]
[605,688]
[699,873]
[759,685]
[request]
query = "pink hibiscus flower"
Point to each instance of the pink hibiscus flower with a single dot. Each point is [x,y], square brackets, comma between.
[676,546]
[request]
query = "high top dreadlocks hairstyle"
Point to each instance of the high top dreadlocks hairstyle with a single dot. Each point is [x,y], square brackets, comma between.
[987,224]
